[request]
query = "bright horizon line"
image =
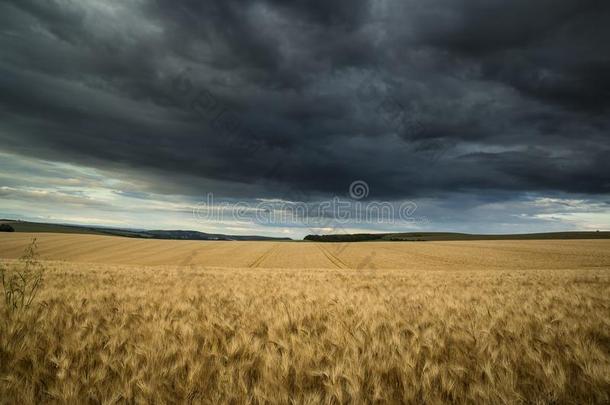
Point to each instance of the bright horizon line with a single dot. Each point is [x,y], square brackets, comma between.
[373,232]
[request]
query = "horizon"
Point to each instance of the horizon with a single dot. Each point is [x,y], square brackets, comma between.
[97,226]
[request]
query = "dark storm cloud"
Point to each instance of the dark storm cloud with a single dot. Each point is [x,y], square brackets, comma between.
[258,98]
[548,49]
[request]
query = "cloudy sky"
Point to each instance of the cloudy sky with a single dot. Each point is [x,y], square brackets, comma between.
[486,115]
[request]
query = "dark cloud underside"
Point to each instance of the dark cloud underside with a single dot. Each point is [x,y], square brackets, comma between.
[251,98]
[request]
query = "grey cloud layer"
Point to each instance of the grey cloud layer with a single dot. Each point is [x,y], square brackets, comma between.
[506,96]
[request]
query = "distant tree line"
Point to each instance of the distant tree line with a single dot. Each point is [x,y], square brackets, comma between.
[359,237]
[6,228]
[446,236]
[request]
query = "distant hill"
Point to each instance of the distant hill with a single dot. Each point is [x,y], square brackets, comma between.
[448,236]
[24,226]
[195,235]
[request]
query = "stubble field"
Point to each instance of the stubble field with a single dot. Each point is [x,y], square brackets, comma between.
[140,321]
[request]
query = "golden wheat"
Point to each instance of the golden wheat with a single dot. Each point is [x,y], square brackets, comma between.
[102,333]
[456,255]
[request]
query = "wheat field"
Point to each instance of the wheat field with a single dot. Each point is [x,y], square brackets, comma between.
[140,321]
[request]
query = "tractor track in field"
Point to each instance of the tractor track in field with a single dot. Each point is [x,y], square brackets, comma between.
[261,258]
[188,259]
[340,264]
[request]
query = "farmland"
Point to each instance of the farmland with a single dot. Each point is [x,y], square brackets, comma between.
[445,255]
[127,320]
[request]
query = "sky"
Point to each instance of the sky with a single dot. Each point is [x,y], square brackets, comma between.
[481,116]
